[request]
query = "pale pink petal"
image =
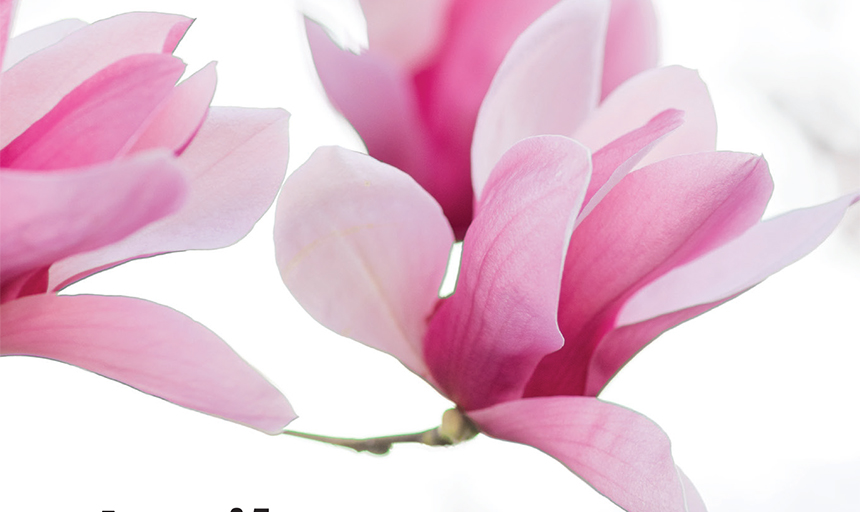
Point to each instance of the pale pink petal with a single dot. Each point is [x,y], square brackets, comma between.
[614,161]
[95,121]
[631,42]
[379,100]
[710,280]
[47,216]
[60,68]
[486,338]
[179,118]
[655,219]
[363,249]
[622,454]
[406,32]
[548,83]
[644,96]
[32,41]
[234,167]
[747,260]
[149,347]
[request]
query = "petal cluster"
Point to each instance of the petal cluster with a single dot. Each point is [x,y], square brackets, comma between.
[603,217]
[414,96]
[105,158]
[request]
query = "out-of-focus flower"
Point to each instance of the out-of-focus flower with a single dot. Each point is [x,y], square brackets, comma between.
[573,263]
[414,96]
[105,159]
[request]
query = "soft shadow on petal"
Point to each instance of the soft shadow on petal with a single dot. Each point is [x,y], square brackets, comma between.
[60,68]
[644,96]
[363,248]
[485,339]
[149,347]
[548,83]
[233,167]
[47,216]
[94,122]
[622,454]
[655,219]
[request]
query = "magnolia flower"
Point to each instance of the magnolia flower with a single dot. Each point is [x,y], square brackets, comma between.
[580,252]
[414,96]
[105,159]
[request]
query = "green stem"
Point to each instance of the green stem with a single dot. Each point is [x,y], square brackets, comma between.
[455,428]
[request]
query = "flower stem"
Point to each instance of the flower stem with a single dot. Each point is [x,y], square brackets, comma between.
[455,428]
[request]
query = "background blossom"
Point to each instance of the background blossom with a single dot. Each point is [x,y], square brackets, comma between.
[105,160]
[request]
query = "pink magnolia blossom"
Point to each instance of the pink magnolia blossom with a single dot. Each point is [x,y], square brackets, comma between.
[106,159]
[414,96]
[582,250]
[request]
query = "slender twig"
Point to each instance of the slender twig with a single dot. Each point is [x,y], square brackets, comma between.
[455,428]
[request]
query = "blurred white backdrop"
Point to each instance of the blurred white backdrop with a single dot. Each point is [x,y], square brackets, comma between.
[760,397]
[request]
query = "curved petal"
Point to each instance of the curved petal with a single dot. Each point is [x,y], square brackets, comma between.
[32,41]
[615,160]
[548,83]
[406,32]
[60,68]
[181,115]
[622,454]
[378,99]
[363,249]
[485,340]
[764,249]
[453,84]
[234,167]
[644,96]
[655,219]
[95,121]
[50,216]
[149,347]
[631,42]
[702,284]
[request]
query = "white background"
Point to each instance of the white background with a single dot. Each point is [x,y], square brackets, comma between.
[760,396]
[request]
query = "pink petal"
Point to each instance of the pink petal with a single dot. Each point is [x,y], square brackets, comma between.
[622,454]
[644,96]
[149,347]
[655,219]
[452,86]
[363,249]
[62,67]
[740,264]
[614,161]
[485,340]
[710,280]
[406,32]
[631,42]
[48,216]
[179,118]
[379,100]
[234,167]
[96,120]
[548,83]
[32,41]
